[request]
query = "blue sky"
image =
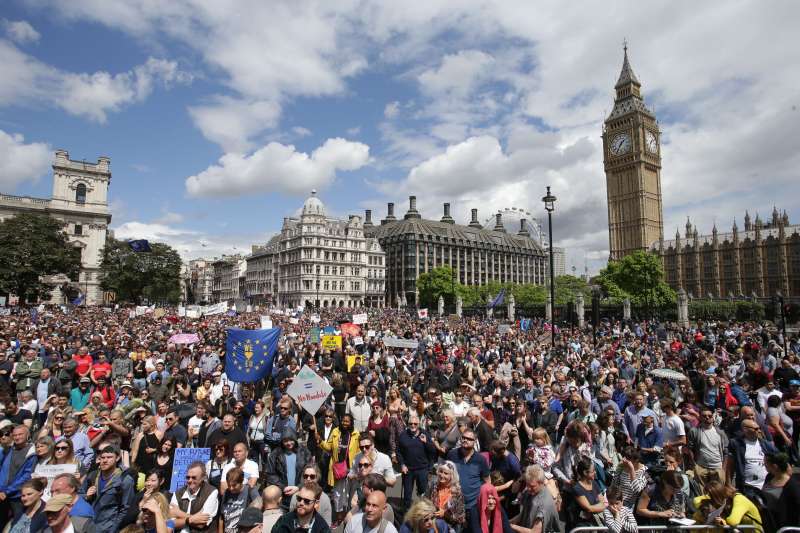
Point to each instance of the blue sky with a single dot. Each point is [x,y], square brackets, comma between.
[219,117]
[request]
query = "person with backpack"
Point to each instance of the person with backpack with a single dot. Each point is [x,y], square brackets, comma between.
[109,490]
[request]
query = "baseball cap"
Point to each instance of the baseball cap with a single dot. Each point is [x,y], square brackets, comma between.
[58,502]
[85,380]
[606,389]
[647,412]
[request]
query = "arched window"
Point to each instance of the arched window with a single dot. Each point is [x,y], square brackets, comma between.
[80,193]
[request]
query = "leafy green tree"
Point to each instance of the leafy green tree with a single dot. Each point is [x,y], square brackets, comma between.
[35,246]
[439,281]
[640,277]
[154,276]
[568,287]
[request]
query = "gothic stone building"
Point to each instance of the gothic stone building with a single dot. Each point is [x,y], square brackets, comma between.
[80,200]
[476,254]
[632,161]
[760,261]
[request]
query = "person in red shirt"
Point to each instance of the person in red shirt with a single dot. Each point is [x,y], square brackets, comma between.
[101,368]
[106,391]
[84,362]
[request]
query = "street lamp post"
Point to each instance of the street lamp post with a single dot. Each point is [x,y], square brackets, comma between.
[549,205]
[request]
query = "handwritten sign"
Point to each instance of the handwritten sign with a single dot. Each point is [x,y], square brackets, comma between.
[180,465]
[314,335]
[266,322]
[332,342]
[360,318]
[309,390]
[358,341]
[354,359]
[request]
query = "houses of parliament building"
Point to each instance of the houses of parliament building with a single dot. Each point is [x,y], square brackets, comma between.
[761,260]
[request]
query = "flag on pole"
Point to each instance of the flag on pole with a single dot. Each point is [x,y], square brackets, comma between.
[79,300]
[140,245]
[249,353]
[498,300]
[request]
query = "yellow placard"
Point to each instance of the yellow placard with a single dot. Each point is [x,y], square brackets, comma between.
[353,359]
[332,342]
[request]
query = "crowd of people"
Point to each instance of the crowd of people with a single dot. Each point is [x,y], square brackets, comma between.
[483,427]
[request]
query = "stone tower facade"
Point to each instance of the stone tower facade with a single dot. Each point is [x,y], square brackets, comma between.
[632,162]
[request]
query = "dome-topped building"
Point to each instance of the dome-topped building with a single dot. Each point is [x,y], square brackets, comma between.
[313,205]
[320,261]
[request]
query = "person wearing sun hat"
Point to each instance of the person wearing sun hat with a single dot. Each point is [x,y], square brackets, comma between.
[57,513]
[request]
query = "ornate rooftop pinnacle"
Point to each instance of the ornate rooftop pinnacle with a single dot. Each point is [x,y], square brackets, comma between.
[626,75]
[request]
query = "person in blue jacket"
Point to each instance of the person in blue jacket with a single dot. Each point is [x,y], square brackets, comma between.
[16,468]
[109,490]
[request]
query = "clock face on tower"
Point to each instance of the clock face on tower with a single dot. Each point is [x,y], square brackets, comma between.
[621,144]
[651,142]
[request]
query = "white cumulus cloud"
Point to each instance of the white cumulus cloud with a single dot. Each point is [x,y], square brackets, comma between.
[231,122]
[92,95]
[278,167]
[20,162]
[20,31]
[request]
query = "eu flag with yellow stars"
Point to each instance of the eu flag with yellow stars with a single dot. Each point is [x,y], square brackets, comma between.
[249,353]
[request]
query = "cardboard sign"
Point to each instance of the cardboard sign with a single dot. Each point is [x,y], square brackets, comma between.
[358,341]
[315,319]
[360,318]
[159,313]
[50,472]
[294,321]
[266,322]
[314,335]
[332,342]
[422,313]
[309,390]
[183,458]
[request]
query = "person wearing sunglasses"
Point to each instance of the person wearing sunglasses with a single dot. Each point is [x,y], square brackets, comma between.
[311,477]
[194,506]
[381,463]
[415,453]
[305,518]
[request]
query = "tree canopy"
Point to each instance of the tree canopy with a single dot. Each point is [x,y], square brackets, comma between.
[136,276]
[440,281]
[639,277]
[35,246]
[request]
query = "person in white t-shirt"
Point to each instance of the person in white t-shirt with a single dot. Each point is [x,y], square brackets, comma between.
[672,428]
[371,520]
[381,463]
[249,467]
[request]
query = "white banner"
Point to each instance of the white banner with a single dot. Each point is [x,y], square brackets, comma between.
[309,390]
[181,311]
[397,342]
[141,310]
[371,333]
[50,472]
[315,319]
[216,309]
[5,311]
[192,313]
[360,318]
[294,321]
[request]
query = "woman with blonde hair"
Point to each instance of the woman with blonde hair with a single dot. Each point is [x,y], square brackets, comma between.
[394,401]
[154,513]
[737,508]
[52,427]
[421,518]
[444,490]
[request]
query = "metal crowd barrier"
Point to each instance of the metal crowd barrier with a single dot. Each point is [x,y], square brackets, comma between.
[677,527]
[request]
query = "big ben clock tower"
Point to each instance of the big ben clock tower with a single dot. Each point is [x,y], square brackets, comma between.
[632,161]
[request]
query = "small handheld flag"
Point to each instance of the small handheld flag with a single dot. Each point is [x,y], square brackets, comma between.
[140,245]
[249,353]
[79,300]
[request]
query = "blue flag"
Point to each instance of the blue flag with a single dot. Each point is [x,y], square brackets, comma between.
[249,353]
[498,300]
[79,300]
[140,245]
